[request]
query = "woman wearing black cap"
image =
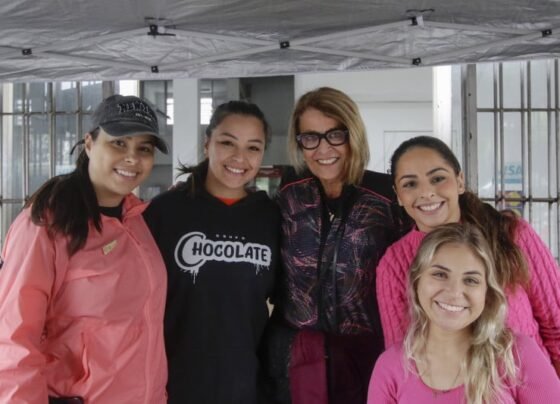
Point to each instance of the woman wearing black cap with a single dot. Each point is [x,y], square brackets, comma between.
[82,287]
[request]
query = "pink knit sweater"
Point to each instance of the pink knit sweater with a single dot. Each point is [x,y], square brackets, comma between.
[534,311]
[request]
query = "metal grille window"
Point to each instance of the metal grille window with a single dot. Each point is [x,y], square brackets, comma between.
[39,123]
[513,144]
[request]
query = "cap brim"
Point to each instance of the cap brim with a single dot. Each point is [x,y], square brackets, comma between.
[135,129]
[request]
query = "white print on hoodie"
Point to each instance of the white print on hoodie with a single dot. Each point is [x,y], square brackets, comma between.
[194,249]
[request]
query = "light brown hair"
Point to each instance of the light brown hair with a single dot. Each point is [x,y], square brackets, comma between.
[336,105]
[490,357]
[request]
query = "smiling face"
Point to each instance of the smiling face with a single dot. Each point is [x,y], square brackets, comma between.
[235,150]
[326,162]
[452,288]
[428,188]
[117,165]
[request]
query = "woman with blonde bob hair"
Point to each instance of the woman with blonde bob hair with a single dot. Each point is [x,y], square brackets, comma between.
[338,106]
[457,348]
[336,224]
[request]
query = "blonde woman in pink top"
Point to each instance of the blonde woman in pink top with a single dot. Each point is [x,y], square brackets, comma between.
[457,349]
[430,186]
[82,286]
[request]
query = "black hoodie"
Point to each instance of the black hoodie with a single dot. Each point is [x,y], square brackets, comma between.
[221,264]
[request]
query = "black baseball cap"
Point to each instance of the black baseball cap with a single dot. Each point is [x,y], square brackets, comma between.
[120,115]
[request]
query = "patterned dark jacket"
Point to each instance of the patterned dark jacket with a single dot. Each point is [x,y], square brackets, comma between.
[329,264]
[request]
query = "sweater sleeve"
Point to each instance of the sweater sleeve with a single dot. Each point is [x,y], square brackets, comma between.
[544,288]
[391,281]
[537,380]
[383,384]
[26,282]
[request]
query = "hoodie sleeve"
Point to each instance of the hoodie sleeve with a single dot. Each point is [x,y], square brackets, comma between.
[26,283]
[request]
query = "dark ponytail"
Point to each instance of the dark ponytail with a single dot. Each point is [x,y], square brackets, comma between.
[66,204]
[198,177]
[499,228]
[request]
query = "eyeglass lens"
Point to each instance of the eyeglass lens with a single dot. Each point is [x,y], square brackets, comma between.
[311,140]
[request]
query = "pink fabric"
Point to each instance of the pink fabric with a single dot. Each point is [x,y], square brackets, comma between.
[392,383]
[89,325]
[534,312]
[308,371]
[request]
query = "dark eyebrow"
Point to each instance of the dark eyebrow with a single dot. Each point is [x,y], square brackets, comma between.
[432,171]
[232,136]
[407,176]
[437,169]
[473,273]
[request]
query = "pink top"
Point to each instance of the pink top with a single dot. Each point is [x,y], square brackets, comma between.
[88,325]
[534,311]
[391,382]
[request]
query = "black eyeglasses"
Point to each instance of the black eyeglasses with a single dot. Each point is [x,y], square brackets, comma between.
[311,140]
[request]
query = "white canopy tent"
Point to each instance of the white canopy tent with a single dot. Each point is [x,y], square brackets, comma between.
[148,39]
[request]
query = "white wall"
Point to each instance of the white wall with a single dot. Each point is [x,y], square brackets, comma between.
[186,126]
[395,104]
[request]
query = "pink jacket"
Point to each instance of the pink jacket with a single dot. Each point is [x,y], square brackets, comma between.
[89,325]
[534,311]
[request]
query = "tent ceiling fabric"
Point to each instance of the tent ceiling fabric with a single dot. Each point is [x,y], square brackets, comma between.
[109,39]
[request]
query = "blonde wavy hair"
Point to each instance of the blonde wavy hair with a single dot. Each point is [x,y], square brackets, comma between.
[336,105]
[490,358]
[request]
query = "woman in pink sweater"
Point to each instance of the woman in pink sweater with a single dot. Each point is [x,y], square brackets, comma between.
[430,187]
[457,348]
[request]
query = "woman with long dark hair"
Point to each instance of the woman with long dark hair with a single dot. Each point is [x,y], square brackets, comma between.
[219,240]
[82,287]
[431,188]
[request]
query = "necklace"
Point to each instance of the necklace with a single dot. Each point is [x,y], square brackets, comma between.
[332,206]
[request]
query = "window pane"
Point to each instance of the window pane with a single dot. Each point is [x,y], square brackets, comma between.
[38,97]
[485,85]
[154,91]
[12,156]
[485,154]
[86,125]
[157,92]
[169,106]
[9,212]
[66,93]
[128,87]
[540,220]
[512,84]
[65,138]
[539,95]
[554,233]
[513,175]
[92,94]
[541,156]
[12,97]
[39,152]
